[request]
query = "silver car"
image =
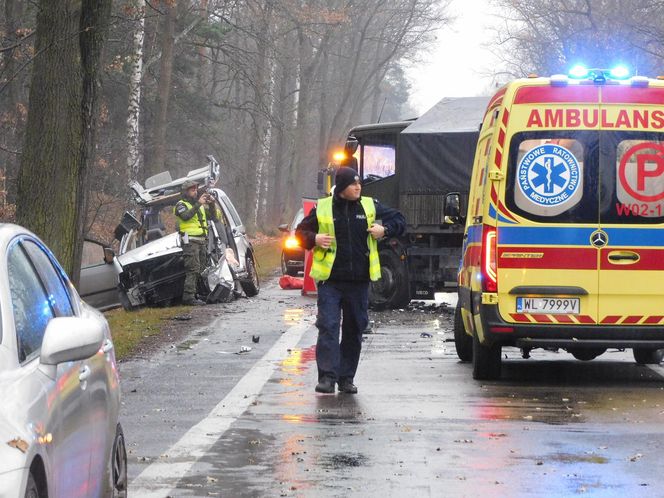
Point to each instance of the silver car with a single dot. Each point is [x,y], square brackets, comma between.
[59,385]
[98,284]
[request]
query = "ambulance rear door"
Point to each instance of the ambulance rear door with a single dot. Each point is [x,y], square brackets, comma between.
[631,283]
[547,267]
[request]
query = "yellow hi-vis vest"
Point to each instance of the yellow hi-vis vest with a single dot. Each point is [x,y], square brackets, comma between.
[196,226]
[323,259]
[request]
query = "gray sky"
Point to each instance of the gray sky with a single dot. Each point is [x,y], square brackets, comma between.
[456,67]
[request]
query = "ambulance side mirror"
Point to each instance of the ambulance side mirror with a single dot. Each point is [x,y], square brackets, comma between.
[452,209]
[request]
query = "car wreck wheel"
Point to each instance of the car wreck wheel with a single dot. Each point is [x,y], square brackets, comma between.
[118,471]
[251,286]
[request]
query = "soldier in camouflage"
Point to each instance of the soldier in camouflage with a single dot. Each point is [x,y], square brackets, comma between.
[193,212]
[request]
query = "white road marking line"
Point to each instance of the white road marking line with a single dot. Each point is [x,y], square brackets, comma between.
[156,481]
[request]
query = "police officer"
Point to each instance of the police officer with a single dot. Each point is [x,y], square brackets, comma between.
[342,231]
[192,213]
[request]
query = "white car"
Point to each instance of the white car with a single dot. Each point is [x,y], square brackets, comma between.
[59,385]
[150,263]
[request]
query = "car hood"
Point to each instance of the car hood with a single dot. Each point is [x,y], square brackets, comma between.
[161,247]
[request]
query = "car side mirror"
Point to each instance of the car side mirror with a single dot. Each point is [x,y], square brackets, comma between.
[283,227]
[351,145]
[70,338]
[109,255]
[452,208]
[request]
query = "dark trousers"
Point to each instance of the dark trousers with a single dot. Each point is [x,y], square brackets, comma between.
[195,261]
[338,360]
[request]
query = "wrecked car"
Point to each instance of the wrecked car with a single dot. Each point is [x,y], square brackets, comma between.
[150,262]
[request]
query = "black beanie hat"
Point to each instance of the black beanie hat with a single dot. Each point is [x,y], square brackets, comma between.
[344,178]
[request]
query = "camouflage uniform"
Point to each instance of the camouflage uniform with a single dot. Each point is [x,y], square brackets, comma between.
[192,225]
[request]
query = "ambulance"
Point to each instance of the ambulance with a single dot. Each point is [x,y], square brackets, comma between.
[564,232]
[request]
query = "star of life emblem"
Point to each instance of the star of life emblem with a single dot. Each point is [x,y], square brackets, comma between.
[548,175]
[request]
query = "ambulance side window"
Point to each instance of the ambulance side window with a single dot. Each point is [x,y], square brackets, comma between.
[633,179]
[478,179]
[550,176]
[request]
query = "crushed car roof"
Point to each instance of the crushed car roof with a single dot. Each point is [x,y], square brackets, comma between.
[161,189]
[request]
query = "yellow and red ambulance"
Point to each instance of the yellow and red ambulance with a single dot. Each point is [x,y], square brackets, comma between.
[564,237]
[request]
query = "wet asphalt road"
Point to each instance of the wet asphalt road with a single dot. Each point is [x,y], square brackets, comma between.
[201,420]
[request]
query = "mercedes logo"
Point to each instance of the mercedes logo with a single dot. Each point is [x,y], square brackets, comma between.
[599,238]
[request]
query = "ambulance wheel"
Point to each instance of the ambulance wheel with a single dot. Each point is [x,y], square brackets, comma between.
[462,341]
[648,356]
[487,362]
[392,290]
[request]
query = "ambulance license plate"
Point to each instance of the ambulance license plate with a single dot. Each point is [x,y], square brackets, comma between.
[551,305]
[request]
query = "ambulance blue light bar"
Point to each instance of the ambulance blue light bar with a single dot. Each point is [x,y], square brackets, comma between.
[580,72]
[619,72]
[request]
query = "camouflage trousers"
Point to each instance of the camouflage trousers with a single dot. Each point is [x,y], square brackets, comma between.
[195,260]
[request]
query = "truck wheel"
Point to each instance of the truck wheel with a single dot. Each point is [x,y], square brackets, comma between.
[486,360]
[392,290]
[462,341]
[586,354]
[251,286]
[648,356]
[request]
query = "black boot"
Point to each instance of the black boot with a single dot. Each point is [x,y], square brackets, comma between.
[347,386]
[325,385]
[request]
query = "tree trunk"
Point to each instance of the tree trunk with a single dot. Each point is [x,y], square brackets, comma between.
[277,208]
[305,71]
[164,89]
[11,122]
[60,131]
[135,77]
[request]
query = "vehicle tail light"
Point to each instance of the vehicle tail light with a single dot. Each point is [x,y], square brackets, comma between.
[291,242]
[489,275]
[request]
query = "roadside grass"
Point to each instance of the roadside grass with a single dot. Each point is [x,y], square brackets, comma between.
[130,328]
[268,255]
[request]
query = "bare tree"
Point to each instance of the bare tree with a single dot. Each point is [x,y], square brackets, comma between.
[548,36]
[60,133]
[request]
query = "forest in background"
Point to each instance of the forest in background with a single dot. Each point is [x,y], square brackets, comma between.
[269,87]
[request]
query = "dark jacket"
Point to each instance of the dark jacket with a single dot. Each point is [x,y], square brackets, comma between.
[350,231]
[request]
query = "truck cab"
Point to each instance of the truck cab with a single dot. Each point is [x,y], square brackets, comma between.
[413,165]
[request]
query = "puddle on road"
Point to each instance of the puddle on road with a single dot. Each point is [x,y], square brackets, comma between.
[338,461]
[298,360]
[292,316]
[572,458]
[185,345]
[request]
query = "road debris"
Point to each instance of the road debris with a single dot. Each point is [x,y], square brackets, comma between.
[20,444]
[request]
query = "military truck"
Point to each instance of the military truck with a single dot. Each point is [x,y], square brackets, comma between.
[413,165]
